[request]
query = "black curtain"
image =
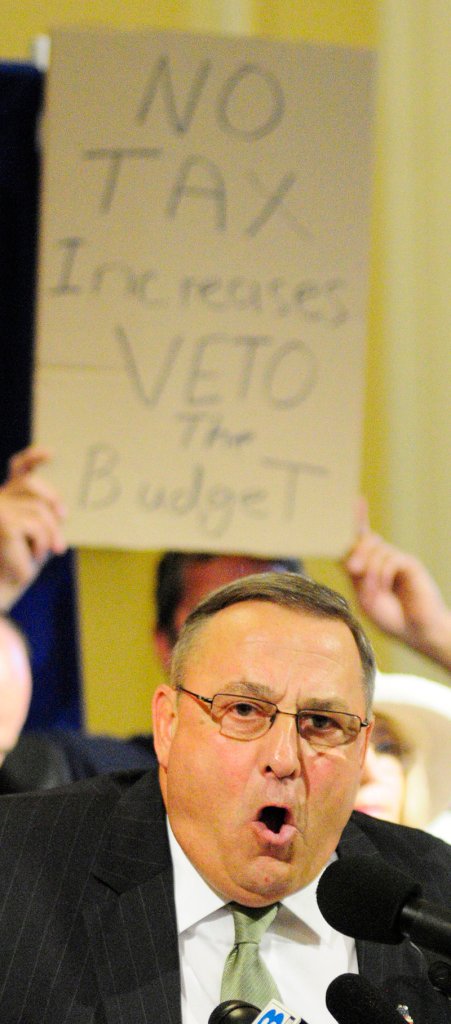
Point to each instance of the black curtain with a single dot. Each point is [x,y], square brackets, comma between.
[47,612]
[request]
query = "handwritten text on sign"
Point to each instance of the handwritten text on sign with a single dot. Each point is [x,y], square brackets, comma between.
[203,289]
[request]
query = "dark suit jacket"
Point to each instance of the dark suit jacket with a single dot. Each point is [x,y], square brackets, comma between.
[87,916]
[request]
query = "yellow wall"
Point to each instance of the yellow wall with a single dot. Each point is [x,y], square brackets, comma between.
[22,20]
[115,587]
[337,21]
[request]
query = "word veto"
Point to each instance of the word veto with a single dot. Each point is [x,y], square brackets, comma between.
[286,371]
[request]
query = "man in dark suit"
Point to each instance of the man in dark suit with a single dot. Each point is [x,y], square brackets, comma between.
[115,892]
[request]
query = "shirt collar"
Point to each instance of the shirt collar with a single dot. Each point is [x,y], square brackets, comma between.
[195,900]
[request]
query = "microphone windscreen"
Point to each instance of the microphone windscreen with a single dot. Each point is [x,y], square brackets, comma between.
[363,897]
[234,1011]
[352,1000]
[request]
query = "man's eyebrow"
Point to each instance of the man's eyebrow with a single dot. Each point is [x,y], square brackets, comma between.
[245,687]
[325,704]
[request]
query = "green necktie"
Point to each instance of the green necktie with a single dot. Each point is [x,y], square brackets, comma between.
[245,975]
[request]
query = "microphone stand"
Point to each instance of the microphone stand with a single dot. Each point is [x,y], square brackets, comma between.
[438,970]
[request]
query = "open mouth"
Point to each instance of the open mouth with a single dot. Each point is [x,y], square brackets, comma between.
[273,818]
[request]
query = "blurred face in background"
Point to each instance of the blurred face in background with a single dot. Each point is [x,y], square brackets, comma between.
[383,783]
[199,579]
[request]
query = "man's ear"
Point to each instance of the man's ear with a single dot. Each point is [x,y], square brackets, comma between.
[366,742]
[164,718]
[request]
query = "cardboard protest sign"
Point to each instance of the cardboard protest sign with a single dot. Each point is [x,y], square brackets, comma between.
[203,289]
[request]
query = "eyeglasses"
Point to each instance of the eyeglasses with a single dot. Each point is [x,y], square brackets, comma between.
[247,718]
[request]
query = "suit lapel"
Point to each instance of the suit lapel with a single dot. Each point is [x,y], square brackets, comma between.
[131,917]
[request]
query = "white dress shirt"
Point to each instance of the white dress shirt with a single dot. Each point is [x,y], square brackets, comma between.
[302,952]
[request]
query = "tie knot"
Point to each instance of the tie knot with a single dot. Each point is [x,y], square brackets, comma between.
[245,975]
[251,923]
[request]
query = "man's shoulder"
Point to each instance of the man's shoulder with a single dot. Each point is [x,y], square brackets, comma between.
[39,830]
[92,822]
[109,786]
[76,803]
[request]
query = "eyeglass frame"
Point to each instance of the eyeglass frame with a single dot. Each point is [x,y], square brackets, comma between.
[363,723]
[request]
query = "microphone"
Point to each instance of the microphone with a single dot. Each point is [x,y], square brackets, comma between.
[352,1000]
[236,1011]
[368,899]
[233,1011]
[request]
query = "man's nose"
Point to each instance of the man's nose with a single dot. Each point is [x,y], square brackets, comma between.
[282,748]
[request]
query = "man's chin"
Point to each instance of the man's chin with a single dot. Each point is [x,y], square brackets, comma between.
[272,880]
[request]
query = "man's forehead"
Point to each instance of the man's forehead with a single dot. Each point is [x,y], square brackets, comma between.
[287,654]
[275,629]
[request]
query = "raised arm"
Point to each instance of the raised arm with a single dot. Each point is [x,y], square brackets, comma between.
[31,524]
[396,591]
